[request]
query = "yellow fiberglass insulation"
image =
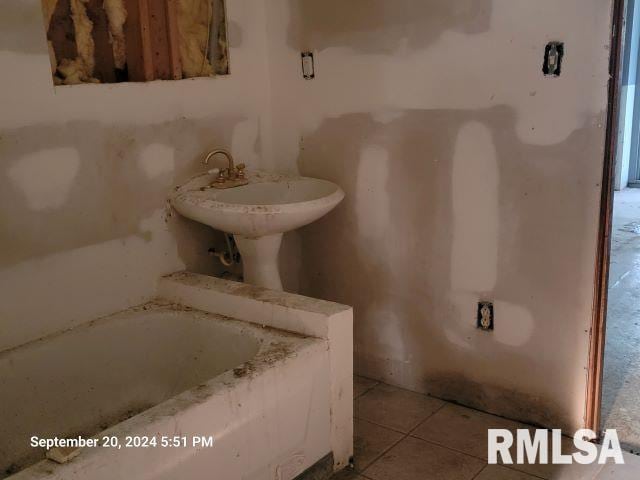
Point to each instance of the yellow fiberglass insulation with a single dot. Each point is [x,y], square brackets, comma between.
[73,72]
[117,15]
[80,69]
[84,38]
[194,21]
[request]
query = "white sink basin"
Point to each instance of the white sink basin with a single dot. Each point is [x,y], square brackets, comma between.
[270,204]
[258,214]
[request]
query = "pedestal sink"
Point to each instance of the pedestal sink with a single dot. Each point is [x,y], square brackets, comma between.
[258,214]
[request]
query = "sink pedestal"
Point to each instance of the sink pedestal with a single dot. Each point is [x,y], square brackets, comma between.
[260,260]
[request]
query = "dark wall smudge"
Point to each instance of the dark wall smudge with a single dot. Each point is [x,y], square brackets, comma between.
[400,283]
[381,26]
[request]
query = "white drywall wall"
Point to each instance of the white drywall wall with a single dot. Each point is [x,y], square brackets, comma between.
[85,171]
[469,176]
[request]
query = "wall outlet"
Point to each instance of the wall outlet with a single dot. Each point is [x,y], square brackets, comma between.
[485,316]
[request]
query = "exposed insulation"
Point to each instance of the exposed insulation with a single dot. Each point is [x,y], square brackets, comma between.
[79,69]
[117,15]
[74,72]
[84,38]
[194,21]
[74,40]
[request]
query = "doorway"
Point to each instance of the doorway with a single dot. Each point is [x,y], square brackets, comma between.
[621,376]
[627,167]
[613,400]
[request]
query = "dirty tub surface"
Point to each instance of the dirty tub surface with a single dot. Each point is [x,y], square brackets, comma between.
[155,370]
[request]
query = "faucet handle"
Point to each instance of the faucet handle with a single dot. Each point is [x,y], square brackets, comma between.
[222,176]
[240,168]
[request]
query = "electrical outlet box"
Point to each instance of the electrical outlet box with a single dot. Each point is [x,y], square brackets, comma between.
[485,316]
[553,56]
[308,66]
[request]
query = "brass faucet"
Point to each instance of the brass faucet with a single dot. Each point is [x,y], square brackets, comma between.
[230,177]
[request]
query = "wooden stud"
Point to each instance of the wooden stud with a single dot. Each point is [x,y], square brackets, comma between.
[174,39]
[152,38]
[105,67]
[137,31]
[159,39]
[61,32]
[163,27]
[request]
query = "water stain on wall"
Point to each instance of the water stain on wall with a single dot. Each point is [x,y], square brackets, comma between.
[381,26]
[414,322]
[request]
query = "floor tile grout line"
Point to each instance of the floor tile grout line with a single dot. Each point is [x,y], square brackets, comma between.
[380,425]
[475,477]
[363,476]
[534,475]
[405,436]
[367,389]
[383,453]
[433,442]
[450,402]
[410,434]
[362,394]
[447,447]
[444,404]
[509,467]
[422,422]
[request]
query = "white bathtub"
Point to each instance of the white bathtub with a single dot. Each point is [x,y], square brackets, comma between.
[160,382]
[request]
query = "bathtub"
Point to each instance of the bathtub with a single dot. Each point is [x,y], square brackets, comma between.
[213,379]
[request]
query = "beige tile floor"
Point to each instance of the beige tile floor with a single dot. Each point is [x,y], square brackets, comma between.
[621,379]
[401,435]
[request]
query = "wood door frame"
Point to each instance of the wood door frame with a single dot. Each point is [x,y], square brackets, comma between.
[598,327]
